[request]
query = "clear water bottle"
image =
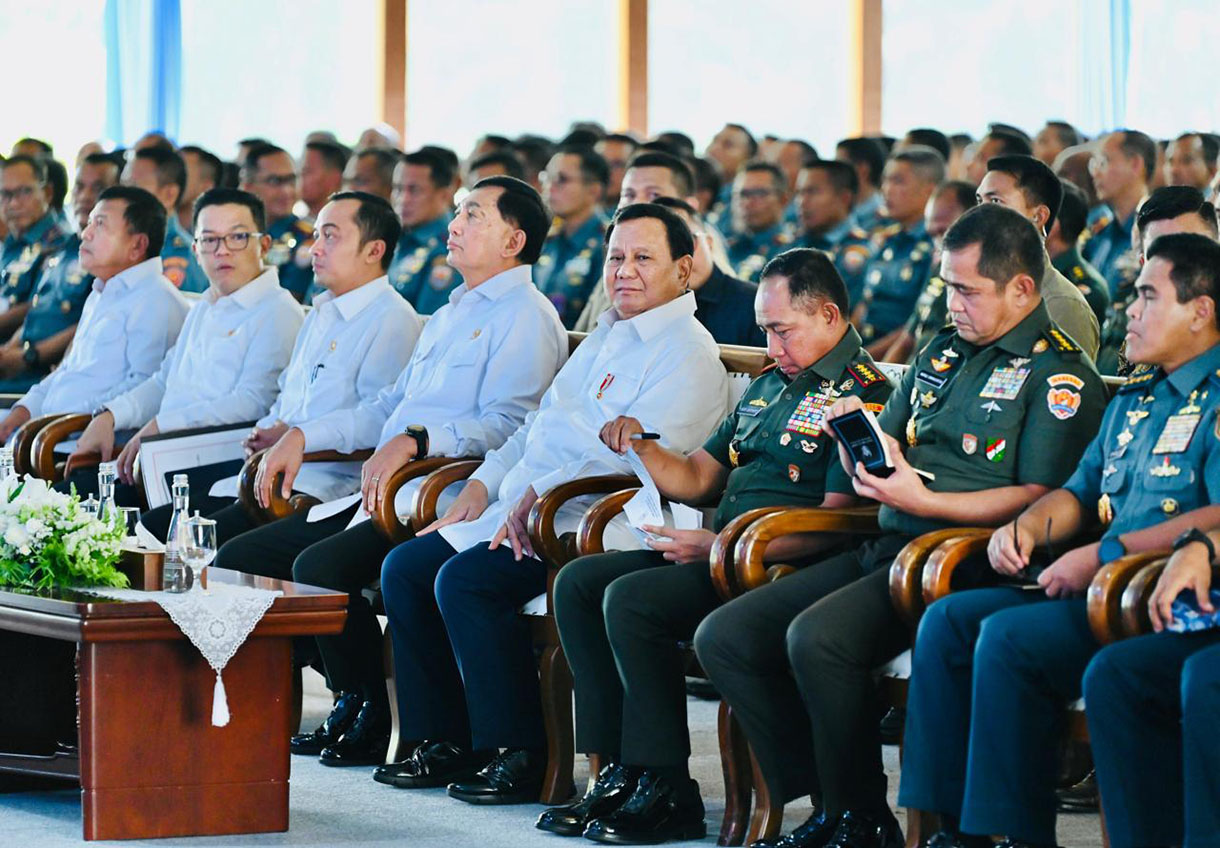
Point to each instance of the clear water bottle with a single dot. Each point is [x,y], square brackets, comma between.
[7,466]
[106,474]
[175,577]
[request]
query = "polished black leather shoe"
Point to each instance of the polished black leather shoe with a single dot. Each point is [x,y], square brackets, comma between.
[513,777]
[613,787]
[857,830]
[892,724]
[432,764]
[340,719]
[1016,843]
[1081,797]
[814,833]
[656,812]
[364,743]
[957,839]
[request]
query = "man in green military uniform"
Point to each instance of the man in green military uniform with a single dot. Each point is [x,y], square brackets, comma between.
[574,186]
[995,412]
[825,191]
[902,254]
[423,189]
[1062,245]
[61,290]
[948,203]
[771,450]
[34,234]
[760,193]
[162,173]
[269,173]
[1172,209]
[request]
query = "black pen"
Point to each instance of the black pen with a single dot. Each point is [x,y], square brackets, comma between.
[641,436]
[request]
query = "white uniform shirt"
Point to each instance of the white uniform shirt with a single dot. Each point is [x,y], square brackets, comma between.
[350,350]
[483,362]
[661,367]
[127,325]
[224,367]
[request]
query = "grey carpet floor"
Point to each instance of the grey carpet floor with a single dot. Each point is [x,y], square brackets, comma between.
[344,807]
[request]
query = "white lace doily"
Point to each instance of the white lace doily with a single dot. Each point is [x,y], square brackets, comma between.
[216,621]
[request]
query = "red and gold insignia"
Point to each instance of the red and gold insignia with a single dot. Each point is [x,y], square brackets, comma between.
[794,473]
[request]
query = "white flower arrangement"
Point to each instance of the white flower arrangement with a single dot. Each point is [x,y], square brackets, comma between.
[47,539]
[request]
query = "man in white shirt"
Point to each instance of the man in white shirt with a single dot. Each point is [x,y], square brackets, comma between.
[352,346]
[224,366]
[452,598]
[131,318]
[481,365]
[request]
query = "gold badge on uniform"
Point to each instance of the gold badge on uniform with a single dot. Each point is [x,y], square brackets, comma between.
[1105,510]
[1169,506]
[785,439]
[794,473]
[808,446]
[1040,345]
[734,454]
[1165,469]
[911,442]
[927,399]
[476,334]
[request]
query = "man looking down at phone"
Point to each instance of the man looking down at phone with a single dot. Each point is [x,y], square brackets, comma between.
[995,410]
[621,614]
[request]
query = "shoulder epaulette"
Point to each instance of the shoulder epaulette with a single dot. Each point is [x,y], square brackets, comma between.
[1099,225]
[1137,380]
[865,374]
[1060,341]
[304,225]
[1215,376]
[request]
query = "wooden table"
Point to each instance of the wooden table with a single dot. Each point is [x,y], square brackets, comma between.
[112,694]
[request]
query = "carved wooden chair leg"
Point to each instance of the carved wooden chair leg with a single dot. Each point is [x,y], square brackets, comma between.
[555,679]
[738,777]
[768,816]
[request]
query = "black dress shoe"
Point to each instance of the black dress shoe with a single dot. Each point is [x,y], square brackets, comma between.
[957,839]
[513,777]
[340,719]
[892,724]
[1082,797]
[432,764]
[656,812]
[814,833]
[613,787]
[857,830]
[364,743]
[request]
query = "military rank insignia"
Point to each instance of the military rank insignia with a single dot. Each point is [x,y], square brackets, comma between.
[1005,383]
[1063,396]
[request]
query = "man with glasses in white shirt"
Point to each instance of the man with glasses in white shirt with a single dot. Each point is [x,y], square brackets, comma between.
[223,368]
[482,363]
[352,346]
[452,598]
[129,320]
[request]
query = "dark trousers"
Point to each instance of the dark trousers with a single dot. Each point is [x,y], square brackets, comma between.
[323,553]
[1152,704]
[231,519]
[796,661]
[463,657]
[620,618]
[991,676]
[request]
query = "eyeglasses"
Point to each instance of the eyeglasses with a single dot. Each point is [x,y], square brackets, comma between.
[19,193]
[755,193]
[278,180]
[233,241]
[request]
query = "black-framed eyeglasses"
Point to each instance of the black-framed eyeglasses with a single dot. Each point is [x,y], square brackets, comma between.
[236,242]
[19,193]
[278,180]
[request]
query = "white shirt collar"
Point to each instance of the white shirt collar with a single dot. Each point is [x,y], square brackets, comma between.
[249,295]
[353,302]
[497,285]
[655,320]
[128,277]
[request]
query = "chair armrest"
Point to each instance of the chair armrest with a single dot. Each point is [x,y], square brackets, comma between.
[751,547]
[1105,595]
[1134,607]
[942,562]
[385,519]
[589,535]
[42,451]
[23,442]
[541,523]
[724,575]
[336,456]
[280,506]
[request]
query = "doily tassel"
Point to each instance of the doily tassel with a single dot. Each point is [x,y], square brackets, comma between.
[220,703]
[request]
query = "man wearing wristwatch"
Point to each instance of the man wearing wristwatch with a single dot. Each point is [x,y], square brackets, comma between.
[482,363]
[1152,705]
[1152,472]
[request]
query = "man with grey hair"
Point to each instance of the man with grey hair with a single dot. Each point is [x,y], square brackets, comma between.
[902,254]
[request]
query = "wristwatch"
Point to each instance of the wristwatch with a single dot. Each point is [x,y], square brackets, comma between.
[1111,549]
[1194,534]
[419,433]
[30,354]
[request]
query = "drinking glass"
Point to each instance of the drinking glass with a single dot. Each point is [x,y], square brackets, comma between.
[200,547]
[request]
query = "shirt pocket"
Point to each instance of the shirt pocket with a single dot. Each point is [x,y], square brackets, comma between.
[613,393]
[1162,477]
